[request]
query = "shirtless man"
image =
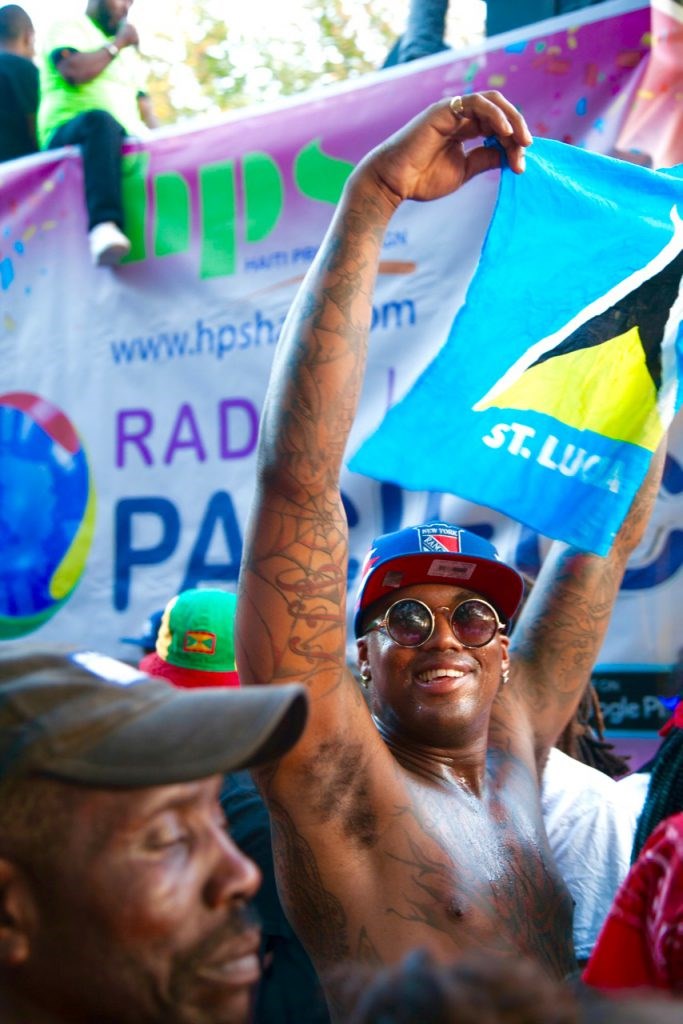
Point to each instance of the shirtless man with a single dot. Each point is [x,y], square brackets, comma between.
[415,821]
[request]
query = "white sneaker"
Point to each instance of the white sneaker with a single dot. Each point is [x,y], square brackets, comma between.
[108,245]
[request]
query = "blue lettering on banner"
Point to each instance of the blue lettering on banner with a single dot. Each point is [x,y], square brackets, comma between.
[126,557]
[218,517]
[669,557]
[395,315]
[273,259]
[394,239]
[219,521]
[214,340]
[391,504]
[307,253]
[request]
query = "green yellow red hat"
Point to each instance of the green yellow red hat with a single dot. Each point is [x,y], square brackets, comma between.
[196,640]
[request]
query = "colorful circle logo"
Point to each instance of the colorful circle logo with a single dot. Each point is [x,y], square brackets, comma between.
[47,512]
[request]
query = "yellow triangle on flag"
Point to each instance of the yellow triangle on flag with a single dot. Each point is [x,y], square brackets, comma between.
[605,388]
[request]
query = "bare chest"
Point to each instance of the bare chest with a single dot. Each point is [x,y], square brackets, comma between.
[446,871]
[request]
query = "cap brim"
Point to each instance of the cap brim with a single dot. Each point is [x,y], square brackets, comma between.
[184,735]
[497,582]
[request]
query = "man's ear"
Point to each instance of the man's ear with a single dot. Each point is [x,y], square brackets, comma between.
[28,44]
[362,660]
[16,913]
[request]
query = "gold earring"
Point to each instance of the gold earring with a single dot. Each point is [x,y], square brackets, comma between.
[365,679]
[506,676]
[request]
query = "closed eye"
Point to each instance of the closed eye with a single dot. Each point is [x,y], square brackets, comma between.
[163,841]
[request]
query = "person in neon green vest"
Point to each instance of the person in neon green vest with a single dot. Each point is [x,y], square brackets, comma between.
[93,96]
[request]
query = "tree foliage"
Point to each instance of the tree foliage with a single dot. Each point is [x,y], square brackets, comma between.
[204,65]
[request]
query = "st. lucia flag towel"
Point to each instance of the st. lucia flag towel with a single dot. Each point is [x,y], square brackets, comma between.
[563,368]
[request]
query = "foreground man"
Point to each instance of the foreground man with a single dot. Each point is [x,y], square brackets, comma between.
[415,822]
[123,898]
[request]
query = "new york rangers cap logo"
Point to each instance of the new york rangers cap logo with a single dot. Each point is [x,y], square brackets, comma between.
[431,541]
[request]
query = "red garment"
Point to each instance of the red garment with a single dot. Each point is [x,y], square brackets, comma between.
[641,942]
[153,665]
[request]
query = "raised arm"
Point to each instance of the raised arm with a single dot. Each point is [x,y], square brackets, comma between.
[78,67]
[291,610]
[561,629]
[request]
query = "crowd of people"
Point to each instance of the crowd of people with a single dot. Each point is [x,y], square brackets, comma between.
[243,827]
[88,90]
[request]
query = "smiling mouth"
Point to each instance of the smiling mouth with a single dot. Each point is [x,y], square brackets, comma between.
[440,680]
[439,673]
[236,972]
[234,962]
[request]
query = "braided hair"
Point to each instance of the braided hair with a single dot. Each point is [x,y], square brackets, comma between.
[665,790]
[583,738]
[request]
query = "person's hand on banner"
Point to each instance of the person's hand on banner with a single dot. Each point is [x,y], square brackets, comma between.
[427,159]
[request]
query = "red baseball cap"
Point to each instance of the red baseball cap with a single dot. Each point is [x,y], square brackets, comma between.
[437,553]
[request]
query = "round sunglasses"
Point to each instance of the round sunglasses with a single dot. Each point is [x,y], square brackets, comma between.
[410,622]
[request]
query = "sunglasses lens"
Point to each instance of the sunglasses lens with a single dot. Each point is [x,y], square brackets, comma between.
[474,623]
[409,623]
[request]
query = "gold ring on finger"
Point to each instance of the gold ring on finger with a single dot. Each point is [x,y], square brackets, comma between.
[457,108]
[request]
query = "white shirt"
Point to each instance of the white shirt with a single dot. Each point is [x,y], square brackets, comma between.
[631,793]
[591,834]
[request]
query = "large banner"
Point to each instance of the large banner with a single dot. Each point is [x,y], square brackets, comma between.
[130,398]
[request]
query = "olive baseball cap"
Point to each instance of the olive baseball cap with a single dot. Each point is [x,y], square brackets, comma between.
[84,717]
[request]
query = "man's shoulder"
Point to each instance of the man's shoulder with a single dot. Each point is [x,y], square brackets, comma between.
[568,776]
[77,31]
[15,63]
[19,84]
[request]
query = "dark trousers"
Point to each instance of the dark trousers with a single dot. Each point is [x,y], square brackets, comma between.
[100,136]
[424,32]
[501,16]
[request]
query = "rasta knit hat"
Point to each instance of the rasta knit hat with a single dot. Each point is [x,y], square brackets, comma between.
[196,640]
[437,553]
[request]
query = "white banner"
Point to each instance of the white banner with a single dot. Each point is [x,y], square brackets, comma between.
[145,383]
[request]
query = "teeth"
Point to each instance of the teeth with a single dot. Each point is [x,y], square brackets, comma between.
[439,673]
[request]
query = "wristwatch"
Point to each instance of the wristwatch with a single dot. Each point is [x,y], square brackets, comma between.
[112,49]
